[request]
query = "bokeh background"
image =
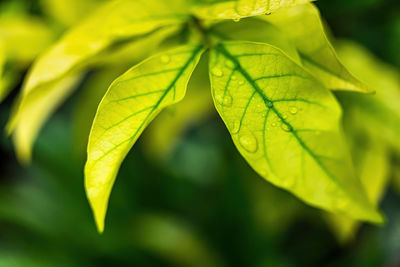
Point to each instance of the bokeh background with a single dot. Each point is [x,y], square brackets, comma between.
[198,205]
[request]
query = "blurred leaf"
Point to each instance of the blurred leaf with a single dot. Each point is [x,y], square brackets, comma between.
[69,12]
[302,24]
[379,113]
[131,102]
[23,37]
[36,109]
[173,240]
[243,8]
[281,116]
[372,164]
[108,25]
[255,30]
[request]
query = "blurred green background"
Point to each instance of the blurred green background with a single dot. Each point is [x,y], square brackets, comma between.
[201,205]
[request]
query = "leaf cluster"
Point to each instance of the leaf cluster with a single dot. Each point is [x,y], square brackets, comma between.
[272,72]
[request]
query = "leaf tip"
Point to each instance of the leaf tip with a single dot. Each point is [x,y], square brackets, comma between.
[98,200]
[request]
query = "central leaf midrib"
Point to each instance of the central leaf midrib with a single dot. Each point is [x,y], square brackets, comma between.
[265,98]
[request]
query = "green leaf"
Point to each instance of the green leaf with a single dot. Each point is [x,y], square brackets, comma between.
[372,162]
[23,38]
[68,12]
[286,125]
[379,113]
[303,25]
[36,109]
[173,240]
[243,8]
[131,102]
[114,21]
[255,30]
[32,102]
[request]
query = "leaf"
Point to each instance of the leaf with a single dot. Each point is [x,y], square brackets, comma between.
[255,30]
[173,240]
[379,113]
[23,38]
[243,8]
[372,163]
[32,102]
[131,102]
[36,109]
[68,12]
[114,21]
[286,125]
[302,24]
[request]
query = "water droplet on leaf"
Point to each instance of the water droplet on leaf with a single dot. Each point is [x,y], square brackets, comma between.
[286,127]
[224,100]
[249,143]
[269,104]
[293,110]
[241,82]
[217,72]
[235,127]
[165,59]
[236,19]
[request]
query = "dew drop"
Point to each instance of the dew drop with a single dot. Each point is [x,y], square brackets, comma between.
[273,124]
[284,116]
[235,127]
[289,183]
[224,100]
[227,101]
[286,127]
[269,104]
[293,110]
[217,72]
[241,82]
[268,13]
[165,59]
[236,19]
[249,143]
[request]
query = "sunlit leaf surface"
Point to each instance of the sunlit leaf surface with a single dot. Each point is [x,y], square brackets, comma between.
[303,25]
[286,125]
[255,30]
[243,8]
[131,102]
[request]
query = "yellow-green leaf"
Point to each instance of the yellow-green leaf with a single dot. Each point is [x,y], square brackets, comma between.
[23,38]
[68,12]
[287,126]
[131,102]
[255,30]
[243,8]
[303,25]
[372,163]
[379,113]
[36,109]
[114,21]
